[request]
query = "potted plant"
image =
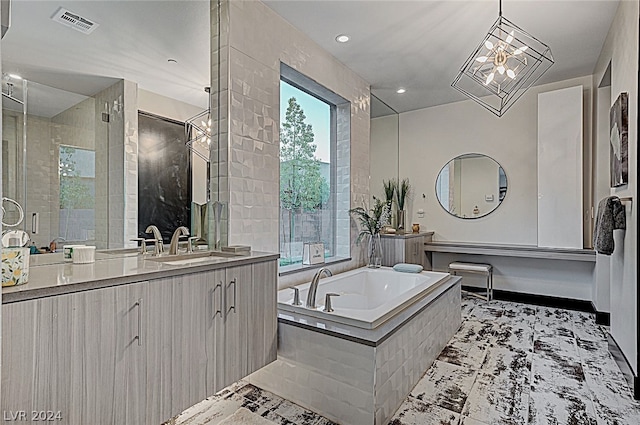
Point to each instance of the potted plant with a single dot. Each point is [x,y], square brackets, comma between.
[402,193]
[390,188]
[371,222]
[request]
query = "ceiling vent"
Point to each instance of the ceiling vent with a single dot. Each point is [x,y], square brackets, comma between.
[75,21]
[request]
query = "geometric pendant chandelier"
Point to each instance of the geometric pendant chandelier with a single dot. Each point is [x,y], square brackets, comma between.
[198,131]
[503,66]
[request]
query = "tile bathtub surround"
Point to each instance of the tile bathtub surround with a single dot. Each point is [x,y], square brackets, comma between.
[508,364]
[352,382]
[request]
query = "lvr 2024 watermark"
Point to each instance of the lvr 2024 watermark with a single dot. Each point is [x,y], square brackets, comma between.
[33,416]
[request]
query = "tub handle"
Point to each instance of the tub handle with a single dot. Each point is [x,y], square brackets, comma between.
[327,302]
[296,297]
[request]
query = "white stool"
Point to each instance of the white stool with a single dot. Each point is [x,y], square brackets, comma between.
[485,269]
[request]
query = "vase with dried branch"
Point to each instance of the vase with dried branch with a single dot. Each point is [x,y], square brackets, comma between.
[402,193]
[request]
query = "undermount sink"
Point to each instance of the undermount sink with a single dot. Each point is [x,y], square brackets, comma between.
[190,258]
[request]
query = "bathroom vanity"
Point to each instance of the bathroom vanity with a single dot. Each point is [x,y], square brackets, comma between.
[404,248]
[129,340]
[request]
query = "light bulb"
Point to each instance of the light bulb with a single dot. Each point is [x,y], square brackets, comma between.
[510,38]
[482,59]
[488,44]
[511,74]
[500,69]
[520,50]
[489,78]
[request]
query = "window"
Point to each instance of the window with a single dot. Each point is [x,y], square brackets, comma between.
[77,169]
[314,177]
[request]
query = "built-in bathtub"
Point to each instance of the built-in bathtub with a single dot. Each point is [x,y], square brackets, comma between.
[367,297]
[357,364]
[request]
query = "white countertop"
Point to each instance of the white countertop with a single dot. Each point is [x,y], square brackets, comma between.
[110,270]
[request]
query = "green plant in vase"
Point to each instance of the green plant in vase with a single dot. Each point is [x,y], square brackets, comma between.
[404,187]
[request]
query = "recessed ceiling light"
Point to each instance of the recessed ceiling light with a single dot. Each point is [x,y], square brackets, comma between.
[342,38]
[15,76]
[401,90]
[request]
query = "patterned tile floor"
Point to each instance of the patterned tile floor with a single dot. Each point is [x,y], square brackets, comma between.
[508,364]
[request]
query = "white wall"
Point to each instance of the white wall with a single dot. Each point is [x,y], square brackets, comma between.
[431,137]
[602,287]
[383,152]
[478,179]
[167,107]
[621,49]
[253,42]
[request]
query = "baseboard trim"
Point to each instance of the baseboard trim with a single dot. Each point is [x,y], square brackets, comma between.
[602,318]
[625,366]
[541,300]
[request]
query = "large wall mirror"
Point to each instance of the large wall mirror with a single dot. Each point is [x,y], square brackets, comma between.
[75,76]
[471,186]
[383,153]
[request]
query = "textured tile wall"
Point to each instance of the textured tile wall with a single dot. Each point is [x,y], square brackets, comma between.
[403,358]
[117,160]
[130,164]
[75,126]
[258,40]
[328,375]
[40,169]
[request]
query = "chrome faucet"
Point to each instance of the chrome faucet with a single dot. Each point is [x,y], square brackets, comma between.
[53,246]
[158,238]
[311,295]
[180,231]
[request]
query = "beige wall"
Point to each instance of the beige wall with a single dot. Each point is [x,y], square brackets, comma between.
[621,49]
[384,153]
[258,40]
[431,137]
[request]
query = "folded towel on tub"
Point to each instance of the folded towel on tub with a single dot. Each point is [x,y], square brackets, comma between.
[407,268]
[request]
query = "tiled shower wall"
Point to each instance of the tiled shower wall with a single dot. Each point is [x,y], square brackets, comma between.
[117,194]
[253,42]
[75,126]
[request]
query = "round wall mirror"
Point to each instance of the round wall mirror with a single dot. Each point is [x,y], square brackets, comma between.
[471,186]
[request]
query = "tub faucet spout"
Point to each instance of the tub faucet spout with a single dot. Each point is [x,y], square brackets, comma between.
[311,296]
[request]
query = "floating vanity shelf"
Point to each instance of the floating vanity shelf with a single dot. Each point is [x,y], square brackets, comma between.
[523,251]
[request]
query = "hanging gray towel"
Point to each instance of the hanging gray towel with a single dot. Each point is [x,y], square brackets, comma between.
[611,216]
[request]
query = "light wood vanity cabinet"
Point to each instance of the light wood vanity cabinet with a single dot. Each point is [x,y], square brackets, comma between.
[138,353]
[408,248]
[66,353]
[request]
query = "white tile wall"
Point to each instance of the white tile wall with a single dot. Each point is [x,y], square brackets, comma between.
[117,141]
[258,40]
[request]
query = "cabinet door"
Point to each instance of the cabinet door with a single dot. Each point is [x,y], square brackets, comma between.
[263,316]
[237,304]
[177,354]
[109,353]
[214,330]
